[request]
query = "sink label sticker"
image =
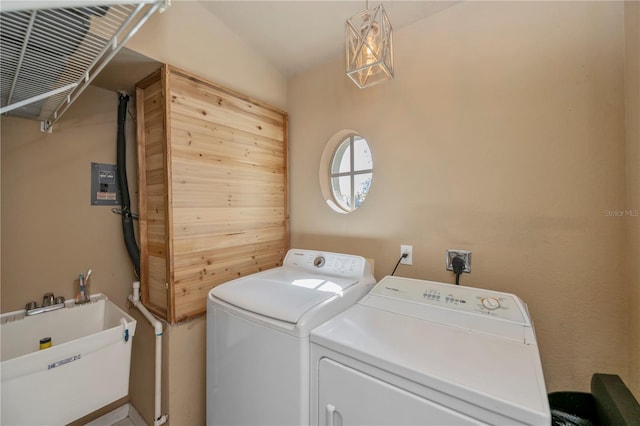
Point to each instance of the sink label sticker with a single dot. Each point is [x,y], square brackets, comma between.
[63,362]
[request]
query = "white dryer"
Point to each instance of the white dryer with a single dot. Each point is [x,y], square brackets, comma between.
[258,335]
[416,352]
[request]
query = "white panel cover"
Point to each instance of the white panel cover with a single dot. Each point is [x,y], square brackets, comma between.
[421,331]
[348,396]
[281,293]
[486,311]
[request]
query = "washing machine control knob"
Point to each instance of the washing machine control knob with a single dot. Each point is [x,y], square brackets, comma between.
[490,303]
[319,261]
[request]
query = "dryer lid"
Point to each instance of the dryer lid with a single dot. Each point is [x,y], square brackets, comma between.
[282,293]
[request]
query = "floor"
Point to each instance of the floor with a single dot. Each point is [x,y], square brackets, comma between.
[125,415]
[124,422]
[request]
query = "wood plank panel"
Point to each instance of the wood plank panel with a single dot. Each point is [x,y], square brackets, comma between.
[156,249]
[215,229]
[157,282]
[195,147]
[215,173]
[155,162]
[155,177]
[225,170]
[212,275]
[151,141]
[194,178]
[215,106]
[164,78]
[213,166]
[227,268]
[214,256]
[192,221]
[215,132]
[207,126]
[141,135]
[238,101]
[254,187]
[188,299]
[232,200]
[222,240]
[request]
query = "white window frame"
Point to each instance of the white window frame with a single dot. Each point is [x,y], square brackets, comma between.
[335,147]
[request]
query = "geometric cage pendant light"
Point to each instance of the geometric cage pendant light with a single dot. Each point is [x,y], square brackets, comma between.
[369,47]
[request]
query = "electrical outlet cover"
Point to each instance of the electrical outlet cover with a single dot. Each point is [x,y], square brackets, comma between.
[465,254]
[406,249]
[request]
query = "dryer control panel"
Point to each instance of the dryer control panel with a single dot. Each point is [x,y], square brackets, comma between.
[471,308]
[327,263]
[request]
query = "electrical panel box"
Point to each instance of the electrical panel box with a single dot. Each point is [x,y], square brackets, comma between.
[104,185]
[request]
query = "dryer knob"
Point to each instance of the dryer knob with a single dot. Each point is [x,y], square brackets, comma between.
[318,262]
[490,303]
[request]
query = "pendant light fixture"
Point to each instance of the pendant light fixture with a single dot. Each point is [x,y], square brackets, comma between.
[369,46]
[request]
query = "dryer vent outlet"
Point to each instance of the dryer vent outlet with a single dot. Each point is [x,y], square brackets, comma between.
[464,254]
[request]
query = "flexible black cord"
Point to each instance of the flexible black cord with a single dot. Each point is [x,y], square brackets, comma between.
[404,255]
[458,266]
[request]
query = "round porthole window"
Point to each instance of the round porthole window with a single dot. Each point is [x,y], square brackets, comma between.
[346,171]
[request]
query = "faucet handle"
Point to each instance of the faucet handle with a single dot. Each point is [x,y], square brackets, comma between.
[47,299]
[31,305]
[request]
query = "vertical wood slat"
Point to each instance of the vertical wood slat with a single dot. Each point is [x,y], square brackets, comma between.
[224,186]
[152,211]
[142,195]
[166,93]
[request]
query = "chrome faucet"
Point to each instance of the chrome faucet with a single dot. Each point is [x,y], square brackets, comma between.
[47,299]
[49,303]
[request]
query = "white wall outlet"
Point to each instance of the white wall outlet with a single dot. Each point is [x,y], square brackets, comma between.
[409,259]
[465,254]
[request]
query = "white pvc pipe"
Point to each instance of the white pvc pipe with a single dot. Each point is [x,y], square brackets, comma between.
[158,419]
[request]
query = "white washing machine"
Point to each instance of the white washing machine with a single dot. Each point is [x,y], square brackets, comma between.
[258,335]
[417,352]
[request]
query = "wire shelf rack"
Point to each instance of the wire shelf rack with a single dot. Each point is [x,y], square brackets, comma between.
[49,56]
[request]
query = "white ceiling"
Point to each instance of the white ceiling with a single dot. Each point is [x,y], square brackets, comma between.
[294,35]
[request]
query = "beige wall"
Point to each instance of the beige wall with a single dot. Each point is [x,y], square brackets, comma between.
[188,36]
[50,233]
[502,133]
[187,373]
[632,90]
[50,230]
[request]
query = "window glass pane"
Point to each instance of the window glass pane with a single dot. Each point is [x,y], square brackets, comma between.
[362,155]
[342,159]
[346,171]
[342,191]
[361,186]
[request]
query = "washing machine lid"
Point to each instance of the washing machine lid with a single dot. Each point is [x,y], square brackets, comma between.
[283,293]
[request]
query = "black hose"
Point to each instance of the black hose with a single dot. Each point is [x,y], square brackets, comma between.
[123,186]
